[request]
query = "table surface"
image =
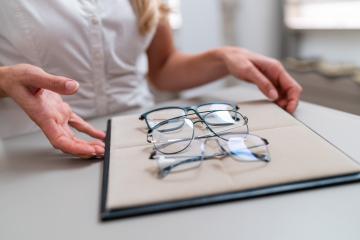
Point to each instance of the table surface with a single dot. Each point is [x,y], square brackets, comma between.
[47,195]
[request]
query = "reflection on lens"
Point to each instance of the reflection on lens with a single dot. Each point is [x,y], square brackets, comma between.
[246,147]
[174,135]
[225,121]
[221,118]
[154,118]
[214,106]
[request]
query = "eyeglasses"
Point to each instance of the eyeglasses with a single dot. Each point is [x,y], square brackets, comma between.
[240,147]
[176,134]
[156,116]
[171,129]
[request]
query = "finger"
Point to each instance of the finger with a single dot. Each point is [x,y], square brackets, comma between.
[99,150]
[293,96]
[291,91]
[291,107]
[285,83]
[282,103]
[264,84]
[98,146]
[72,146]
[41,79]
[62,140]
[98,143]
[82,126]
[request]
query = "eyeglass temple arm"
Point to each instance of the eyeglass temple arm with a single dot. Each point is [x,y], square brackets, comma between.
[166,170]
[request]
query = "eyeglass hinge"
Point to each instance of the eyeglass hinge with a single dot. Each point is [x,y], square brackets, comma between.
[148,138]
[152,155]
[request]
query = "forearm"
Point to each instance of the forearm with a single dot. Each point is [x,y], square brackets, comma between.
[183,71]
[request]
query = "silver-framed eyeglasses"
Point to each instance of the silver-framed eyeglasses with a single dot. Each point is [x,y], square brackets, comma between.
[239,147]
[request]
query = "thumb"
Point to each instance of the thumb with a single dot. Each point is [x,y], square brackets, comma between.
[58,84]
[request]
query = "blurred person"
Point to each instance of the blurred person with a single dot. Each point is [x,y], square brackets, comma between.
[87,52]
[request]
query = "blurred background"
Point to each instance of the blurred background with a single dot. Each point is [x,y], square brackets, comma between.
[317,40]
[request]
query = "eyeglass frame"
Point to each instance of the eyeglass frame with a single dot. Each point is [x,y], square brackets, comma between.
[201,120]
[224,153]
[186,110]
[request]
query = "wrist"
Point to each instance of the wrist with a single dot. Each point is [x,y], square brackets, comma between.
[225,53]
[220,57]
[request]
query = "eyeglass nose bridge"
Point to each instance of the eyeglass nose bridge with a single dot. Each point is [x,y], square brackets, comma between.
[198,121]
[220,151]
[204,124]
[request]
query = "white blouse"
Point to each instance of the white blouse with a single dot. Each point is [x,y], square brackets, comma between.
[95,42]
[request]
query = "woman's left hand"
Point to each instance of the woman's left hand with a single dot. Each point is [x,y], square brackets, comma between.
[268,74]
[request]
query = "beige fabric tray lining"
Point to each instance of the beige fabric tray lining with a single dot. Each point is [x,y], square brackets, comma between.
[298,154]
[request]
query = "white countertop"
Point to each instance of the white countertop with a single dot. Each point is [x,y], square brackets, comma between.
[46,195]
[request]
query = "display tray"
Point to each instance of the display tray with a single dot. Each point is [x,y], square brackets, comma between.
[301,159]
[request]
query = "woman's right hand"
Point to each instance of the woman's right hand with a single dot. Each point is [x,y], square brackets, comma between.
[37,93]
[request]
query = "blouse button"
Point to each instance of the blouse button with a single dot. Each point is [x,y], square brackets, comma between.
[95,21]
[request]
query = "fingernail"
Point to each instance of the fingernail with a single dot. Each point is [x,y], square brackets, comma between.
[71,86]
[273,95]
[99,150]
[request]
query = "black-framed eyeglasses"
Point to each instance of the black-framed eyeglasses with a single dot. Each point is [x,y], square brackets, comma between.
[240,147]
[171,136]
[156,116]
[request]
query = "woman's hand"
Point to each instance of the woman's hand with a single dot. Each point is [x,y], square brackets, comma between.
[171,70]
[268,74]
[37,93]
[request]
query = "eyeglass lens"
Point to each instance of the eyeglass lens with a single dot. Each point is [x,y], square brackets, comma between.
[176,134]
[155,117]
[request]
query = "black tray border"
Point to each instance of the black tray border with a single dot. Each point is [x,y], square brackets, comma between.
[111,214]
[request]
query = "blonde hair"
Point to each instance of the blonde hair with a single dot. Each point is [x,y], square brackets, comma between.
[149,13]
